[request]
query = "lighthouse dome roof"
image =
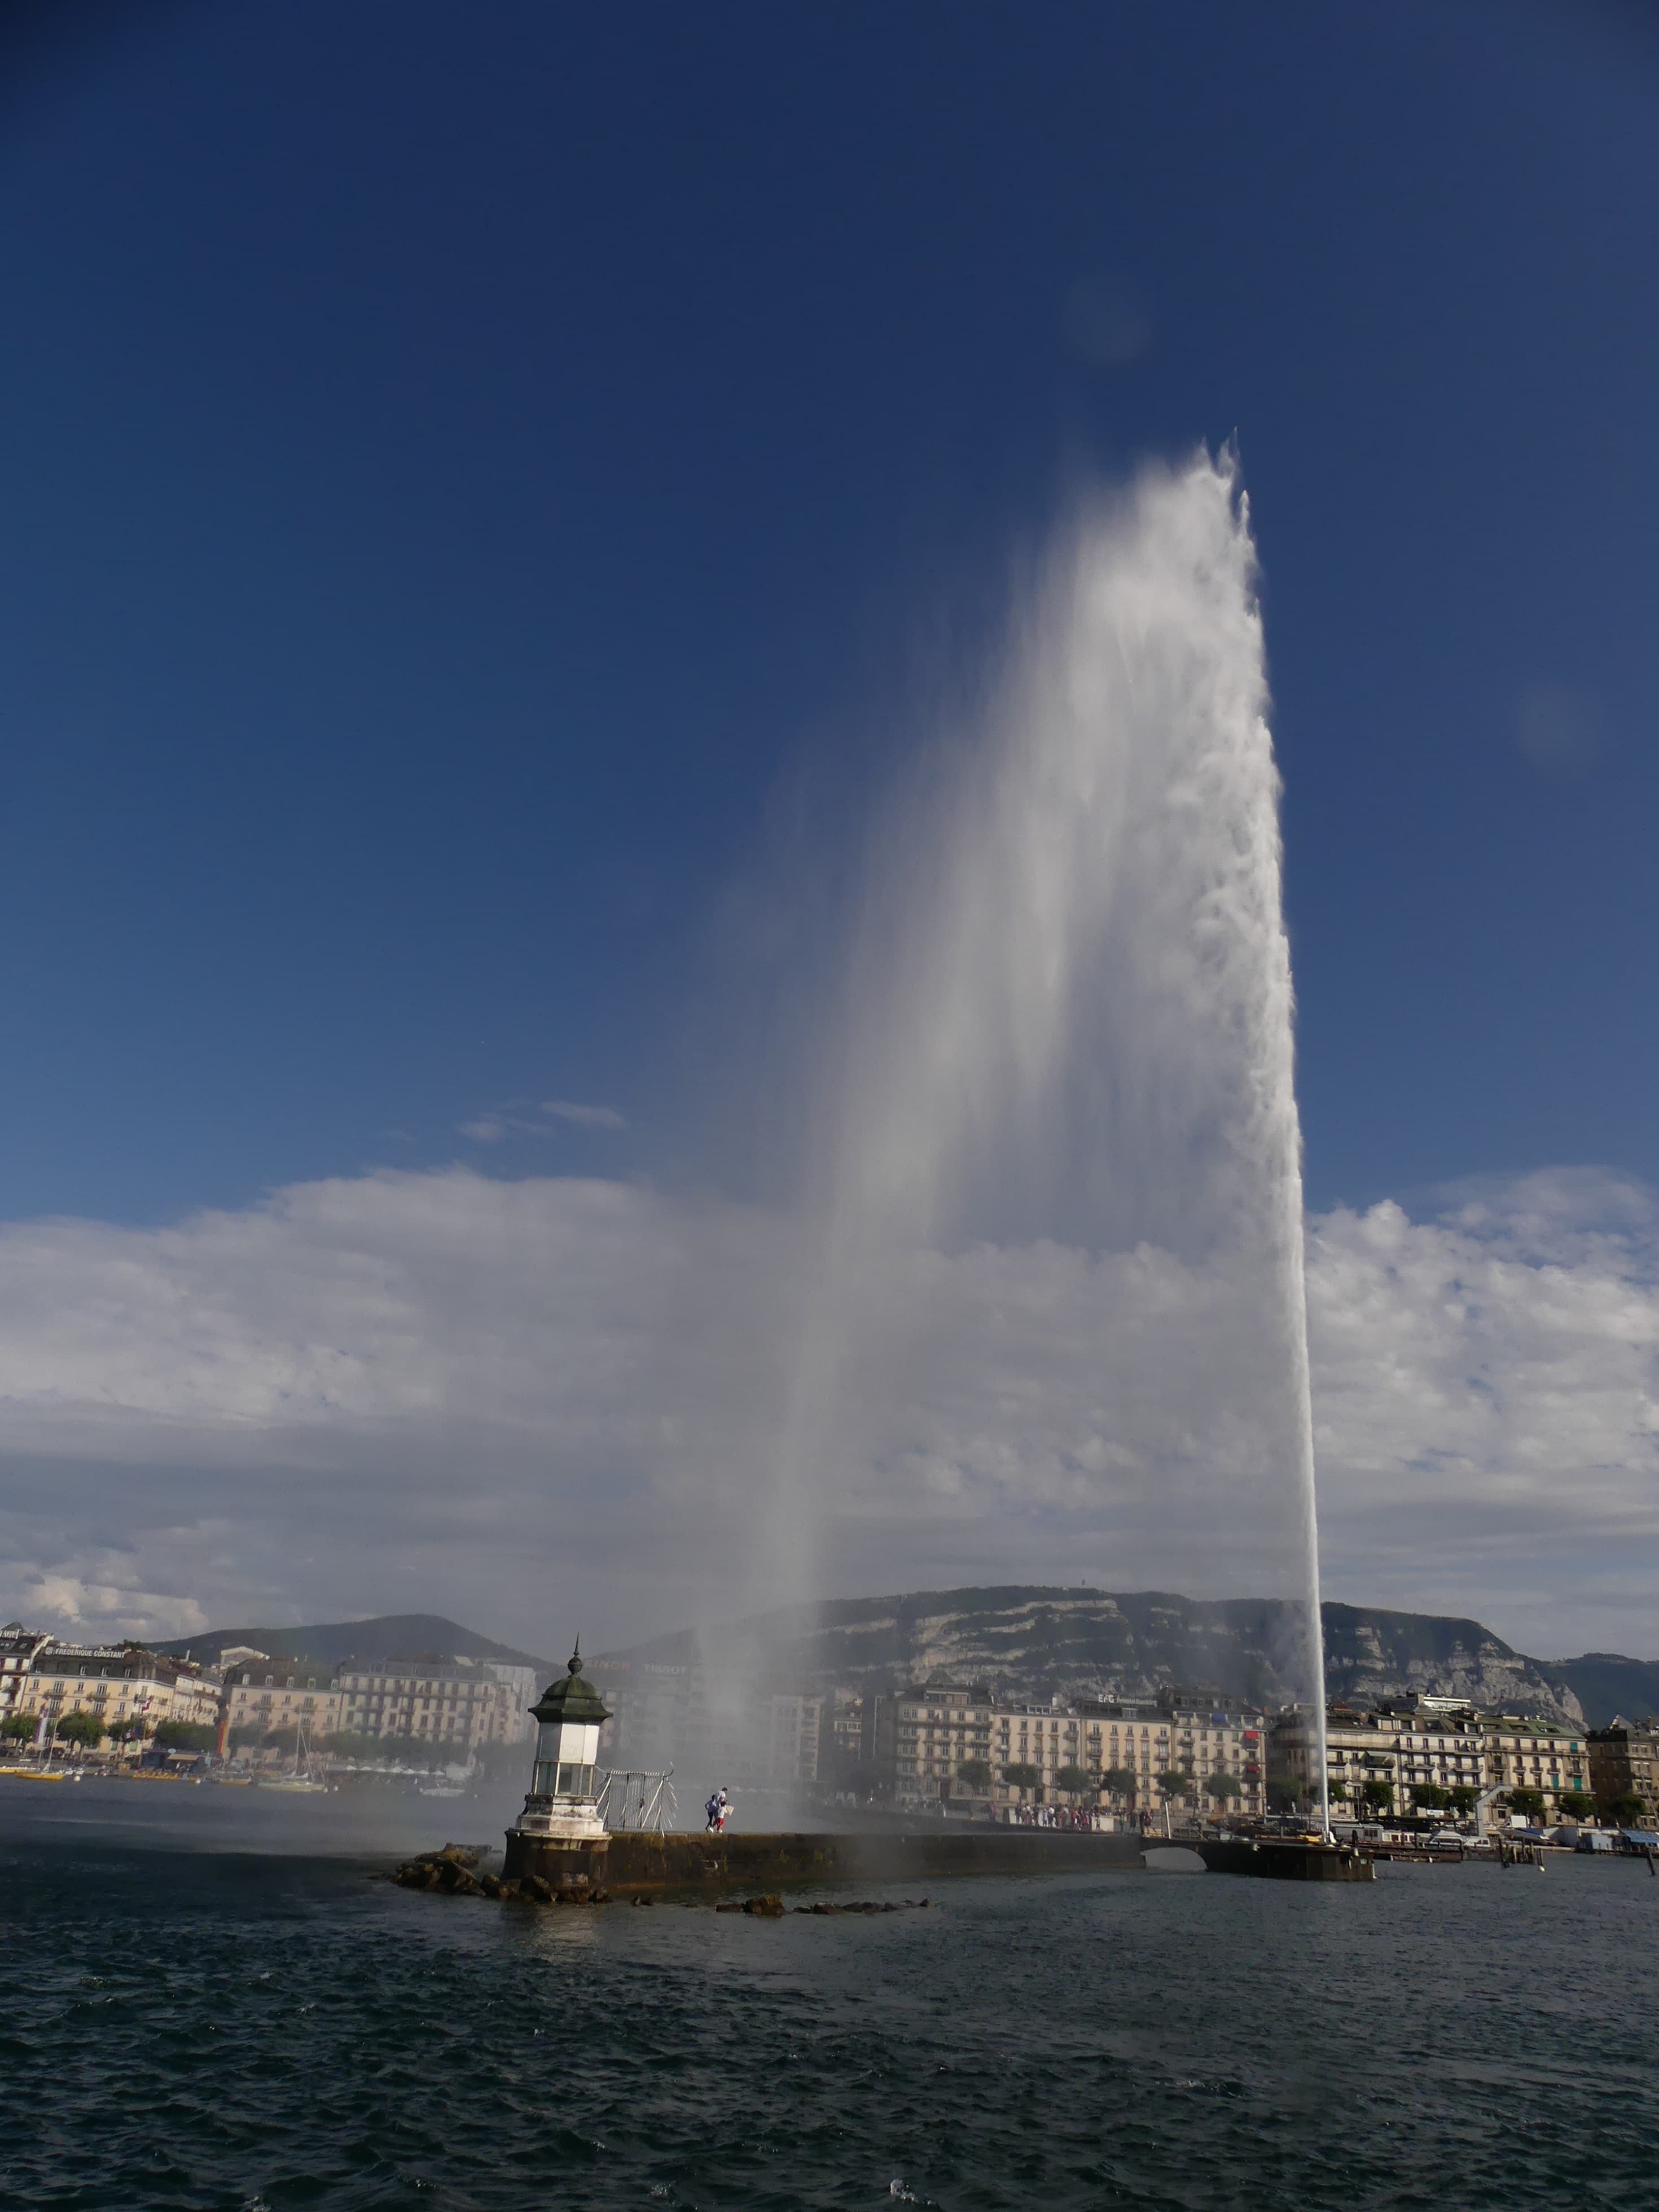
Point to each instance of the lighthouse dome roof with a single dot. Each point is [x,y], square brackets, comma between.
[572,1698]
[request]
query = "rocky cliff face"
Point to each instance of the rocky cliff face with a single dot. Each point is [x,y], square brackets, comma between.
[1032,1642]
[1370,1654]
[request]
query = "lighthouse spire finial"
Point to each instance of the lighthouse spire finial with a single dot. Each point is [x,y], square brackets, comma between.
[576,1658]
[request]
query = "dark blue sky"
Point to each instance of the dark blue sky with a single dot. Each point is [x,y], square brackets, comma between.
[460,463]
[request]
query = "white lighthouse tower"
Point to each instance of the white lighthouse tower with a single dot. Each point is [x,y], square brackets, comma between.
[561,1814]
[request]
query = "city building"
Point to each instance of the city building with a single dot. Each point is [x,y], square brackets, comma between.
[669,1716]
[1624,1762]
[793,1735]
[658,1712]
[1214,1740]
[458,1703]
[843,1747]
[923,1736]
[1379,1761]
[20,1647]
[1550,1759]
[453,1704]
[266,1697]
[116,1683]
[1018,1753]
[1438,1743]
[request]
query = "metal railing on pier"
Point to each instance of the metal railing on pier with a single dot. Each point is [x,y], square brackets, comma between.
[637,1800]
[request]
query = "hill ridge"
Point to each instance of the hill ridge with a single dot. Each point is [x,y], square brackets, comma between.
[380,1636]
[1036,1638]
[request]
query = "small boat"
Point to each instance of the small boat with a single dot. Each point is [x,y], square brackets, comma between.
[305,1776]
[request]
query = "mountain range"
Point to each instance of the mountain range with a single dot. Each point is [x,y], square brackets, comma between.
[387,1636]
[1033,1641]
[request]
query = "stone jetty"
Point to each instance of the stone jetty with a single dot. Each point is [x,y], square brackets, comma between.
[641,1867]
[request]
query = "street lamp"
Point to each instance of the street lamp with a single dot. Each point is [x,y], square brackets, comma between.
[559,1834]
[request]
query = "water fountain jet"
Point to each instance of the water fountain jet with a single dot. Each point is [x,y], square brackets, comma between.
[1070,1013]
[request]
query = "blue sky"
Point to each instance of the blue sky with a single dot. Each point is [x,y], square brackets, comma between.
[471,475]
[458,462]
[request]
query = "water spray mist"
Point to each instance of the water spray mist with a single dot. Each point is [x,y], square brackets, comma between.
[1070,1013]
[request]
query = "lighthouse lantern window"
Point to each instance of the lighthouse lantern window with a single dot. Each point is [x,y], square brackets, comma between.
[569,1717]
[565,1755]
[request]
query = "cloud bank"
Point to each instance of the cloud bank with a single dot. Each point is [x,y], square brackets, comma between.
[554,1401]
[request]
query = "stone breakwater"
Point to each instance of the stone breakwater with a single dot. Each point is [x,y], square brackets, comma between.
[630,1864]
[635,1862]
[455,1871]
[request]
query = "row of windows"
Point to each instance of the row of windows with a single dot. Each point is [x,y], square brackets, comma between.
[402,1685]
[406,1685]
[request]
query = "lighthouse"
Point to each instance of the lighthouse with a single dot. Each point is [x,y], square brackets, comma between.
[560,1834]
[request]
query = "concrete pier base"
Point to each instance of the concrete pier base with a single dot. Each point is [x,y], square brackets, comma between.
[563,1840]
[566,1862]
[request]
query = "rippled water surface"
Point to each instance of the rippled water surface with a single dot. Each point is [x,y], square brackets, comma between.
[200,2029]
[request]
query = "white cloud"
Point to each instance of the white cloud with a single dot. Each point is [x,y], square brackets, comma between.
[490,1128]
[71,1606]
[586,1117]
[556,1402]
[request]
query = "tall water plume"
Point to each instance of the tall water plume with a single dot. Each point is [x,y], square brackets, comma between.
[1069,1015]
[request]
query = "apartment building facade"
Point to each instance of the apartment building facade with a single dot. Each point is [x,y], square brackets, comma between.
[264,1698]
[923,1737]
[457,1705]
[1385,1757]
[670,1715]
[1221,1746]
[118,1684]
[846,1719]
[451,1705]
[20,1647]
[1624,1762]
[1549,1758]
[1019,1753]
[1400,1749]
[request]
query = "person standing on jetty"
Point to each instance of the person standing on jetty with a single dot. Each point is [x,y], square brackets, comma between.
[719,1809]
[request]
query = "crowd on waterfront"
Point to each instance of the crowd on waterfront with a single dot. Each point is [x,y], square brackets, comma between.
[1053,1816]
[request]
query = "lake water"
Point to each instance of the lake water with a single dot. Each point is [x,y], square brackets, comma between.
[235,2029]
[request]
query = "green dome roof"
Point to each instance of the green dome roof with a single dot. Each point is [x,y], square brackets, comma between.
[571,1698]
